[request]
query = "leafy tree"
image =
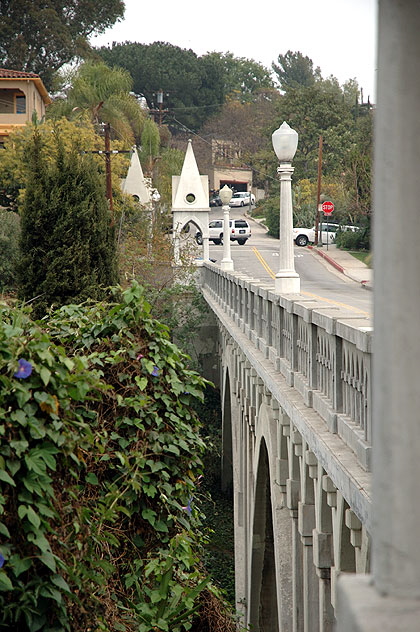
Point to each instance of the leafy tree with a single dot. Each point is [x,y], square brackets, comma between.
[42,35]
[295,71]
[104,94]
[150,146]
[170,164]
[358,169]
[14,166]
[191,88]
[313,111]
[68,250]
[244,79]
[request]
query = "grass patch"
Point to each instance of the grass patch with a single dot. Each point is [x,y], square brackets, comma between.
[362,255]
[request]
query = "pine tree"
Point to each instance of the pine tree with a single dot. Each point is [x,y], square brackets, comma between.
[68,249]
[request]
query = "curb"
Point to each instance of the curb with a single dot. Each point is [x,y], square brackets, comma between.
[365,284]
[327,258]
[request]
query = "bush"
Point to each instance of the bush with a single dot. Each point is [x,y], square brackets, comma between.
[68,249]
[9,249]
[99,459]
[359,240]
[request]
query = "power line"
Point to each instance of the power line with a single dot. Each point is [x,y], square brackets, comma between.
[233,158]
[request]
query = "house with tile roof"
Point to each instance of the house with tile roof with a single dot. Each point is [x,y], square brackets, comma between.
[21,94]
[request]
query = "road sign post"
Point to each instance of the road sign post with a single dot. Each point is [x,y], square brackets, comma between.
[327,208]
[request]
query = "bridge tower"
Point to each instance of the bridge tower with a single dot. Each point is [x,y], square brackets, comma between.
[190,202]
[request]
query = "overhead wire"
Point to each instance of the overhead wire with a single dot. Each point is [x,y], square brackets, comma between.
[233,158]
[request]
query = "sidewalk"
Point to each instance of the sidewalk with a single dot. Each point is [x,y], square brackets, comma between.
[347,264]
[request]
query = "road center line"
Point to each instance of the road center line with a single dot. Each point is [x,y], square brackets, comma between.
[310,294]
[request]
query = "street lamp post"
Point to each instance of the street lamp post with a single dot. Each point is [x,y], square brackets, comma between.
[285,141]
[226,195]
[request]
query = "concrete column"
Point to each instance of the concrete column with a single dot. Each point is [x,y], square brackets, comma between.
[306,522]
[287,280]
[297,575]
[392,600]
[226,263]
[396,351]
[206,251]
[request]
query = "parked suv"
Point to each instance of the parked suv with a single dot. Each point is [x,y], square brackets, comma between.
[302,236]
[240,231]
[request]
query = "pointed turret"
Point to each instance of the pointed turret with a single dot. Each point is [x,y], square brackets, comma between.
[190,191]
[190,202]
[135,183]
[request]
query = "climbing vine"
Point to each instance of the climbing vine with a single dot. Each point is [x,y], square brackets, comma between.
[100,465]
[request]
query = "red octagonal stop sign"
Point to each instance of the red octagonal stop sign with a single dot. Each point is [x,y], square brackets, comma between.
[327,208]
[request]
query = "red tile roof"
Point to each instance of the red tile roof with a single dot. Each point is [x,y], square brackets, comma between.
[17,74]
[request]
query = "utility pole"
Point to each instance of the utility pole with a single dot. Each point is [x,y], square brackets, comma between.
[108,169]
[107,153]
[160,111]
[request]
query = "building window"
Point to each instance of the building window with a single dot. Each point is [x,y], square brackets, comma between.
[20,104]
[6,102]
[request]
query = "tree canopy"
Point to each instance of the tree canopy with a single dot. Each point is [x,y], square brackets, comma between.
[104,94]
[295,71]
[244,79]
[313,111]
[42,35]
[194,88]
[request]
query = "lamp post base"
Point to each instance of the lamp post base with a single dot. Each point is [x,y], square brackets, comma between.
[226,264]
[287,283]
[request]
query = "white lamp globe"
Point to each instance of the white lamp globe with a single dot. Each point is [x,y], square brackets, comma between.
[225,195]
[285,141]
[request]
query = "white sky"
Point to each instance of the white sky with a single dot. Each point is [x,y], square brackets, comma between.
[338,35]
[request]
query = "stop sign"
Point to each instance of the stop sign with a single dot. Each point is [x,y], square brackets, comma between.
[327,208]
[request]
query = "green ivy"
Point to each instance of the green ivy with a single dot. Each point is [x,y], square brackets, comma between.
[100,460]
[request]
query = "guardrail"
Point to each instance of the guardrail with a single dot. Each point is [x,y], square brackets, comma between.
[322,350]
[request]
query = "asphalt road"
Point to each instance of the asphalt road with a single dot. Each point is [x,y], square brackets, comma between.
[259,258]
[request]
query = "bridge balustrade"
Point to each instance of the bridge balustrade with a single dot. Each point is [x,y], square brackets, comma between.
[322,350]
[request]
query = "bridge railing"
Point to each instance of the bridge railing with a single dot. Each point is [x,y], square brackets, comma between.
[321,349]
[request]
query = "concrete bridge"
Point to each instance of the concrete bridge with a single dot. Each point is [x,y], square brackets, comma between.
[314,502]
[295,379]
[321,428]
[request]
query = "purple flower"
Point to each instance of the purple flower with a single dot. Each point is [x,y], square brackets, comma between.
[2,560]
[187,506]
[140,356]
[155,371]
[24,370]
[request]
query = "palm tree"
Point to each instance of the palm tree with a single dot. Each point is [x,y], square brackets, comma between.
[103,93]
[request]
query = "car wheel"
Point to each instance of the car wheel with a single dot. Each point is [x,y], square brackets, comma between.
[242,203]
[241,242]
[221,238]
[199,239]
[301,240]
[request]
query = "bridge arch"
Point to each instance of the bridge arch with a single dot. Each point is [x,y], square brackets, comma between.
[263,614]
[270,598]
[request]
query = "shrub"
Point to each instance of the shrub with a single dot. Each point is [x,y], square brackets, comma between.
[9,249]
[68,249]
[99,461]
[359,240]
